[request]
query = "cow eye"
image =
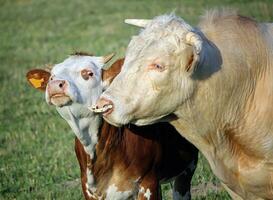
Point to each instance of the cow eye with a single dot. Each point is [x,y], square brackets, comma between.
[86,74]
[158,67]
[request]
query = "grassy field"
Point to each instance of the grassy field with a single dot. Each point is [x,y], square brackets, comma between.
[37,159]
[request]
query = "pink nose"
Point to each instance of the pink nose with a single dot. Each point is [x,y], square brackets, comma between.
[104,106]
[56,87]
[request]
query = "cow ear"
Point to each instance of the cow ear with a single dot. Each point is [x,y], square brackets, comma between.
[109,74]
[38,78]
[190,60]
[193,53]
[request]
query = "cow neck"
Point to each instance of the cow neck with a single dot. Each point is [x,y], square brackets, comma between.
[195,119]
[109,138]
[108,152]
[95,135]
[85,125]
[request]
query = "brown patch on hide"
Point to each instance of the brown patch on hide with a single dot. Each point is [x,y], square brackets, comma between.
[82,158]
[113,71]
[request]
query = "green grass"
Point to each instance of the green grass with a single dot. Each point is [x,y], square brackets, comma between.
[37,159]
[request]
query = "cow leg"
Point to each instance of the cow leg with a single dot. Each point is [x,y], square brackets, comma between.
[82,159]
[181,188]
[149,188]
[232,194]
[182,183]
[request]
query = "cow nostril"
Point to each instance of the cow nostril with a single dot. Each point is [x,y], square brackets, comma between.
[103,106]
[61,84]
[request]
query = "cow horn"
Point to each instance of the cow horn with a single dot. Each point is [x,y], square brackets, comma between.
[48,67]
[194,40]
[138,22]
[107,58]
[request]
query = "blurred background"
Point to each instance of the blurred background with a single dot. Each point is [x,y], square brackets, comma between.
[37,159]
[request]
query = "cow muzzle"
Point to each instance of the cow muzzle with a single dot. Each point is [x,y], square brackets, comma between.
[103,106]
[56,92]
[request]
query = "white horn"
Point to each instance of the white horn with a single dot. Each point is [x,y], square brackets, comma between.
[194,40]
[48,67]
[138,22]
[107,58]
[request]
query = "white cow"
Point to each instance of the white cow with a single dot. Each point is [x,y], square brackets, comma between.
[217,79]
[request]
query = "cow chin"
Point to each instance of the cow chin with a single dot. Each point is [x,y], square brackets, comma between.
[115,121]
[143,122]
[148,121]
[117,118]
[139,122]
[110,121]
[61,100]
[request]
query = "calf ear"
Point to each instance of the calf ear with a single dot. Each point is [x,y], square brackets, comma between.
[109,74]
[38,78]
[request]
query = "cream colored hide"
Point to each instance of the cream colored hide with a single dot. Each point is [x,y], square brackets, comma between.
[218,81]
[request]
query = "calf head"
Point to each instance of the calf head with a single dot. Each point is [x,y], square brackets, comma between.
[76,80]
[72,86]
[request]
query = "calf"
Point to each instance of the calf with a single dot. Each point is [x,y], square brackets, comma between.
[116,163]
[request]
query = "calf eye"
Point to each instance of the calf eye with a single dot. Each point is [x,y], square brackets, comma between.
[86,74]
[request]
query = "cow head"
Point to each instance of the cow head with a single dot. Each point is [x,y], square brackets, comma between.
[72,86]
[159,62]
[77,80]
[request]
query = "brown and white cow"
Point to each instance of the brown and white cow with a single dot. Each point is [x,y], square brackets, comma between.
[116,163]
[217,79]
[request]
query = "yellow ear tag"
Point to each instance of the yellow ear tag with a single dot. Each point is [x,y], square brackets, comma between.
[37,83]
